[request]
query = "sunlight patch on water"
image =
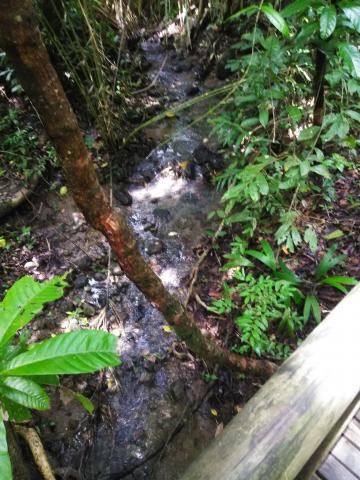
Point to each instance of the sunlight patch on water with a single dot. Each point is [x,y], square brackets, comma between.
[160,187]
[169,277]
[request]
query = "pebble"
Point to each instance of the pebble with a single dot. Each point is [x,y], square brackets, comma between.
[124,198]
[154,247]
[192,90]
[100,276]
[146,378]
[116,270]
[80,281]
[162,213]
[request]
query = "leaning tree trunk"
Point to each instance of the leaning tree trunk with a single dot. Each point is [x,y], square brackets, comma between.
[21,40]
[319,88]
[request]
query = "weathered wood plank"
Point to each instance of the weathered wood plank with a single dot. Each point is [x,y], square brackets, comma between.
[348,455]
[332,469]
[352,433]
[320,454]
[286,421]
[315,477]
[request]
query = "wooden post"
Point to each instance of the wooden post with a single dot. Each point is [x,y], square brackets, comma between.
[286,421]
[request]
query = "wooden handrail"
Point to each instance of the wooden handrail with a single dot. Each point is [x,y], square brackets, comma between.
[280,428]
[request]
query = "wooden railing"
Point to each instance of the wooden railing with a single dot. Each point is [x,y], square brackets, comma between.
[280,428]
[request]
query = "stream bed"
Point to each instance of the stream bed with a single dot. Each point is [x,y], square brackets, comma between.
[154,416]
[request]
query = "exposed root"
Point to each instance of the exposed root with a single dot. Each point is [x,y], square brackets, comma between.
[34,442]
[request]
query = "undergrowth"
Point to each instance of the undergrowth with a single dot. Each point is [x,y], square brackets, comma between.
[289,132]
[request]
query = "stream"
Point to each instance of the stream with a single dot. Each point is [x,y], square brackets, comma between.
[154,417]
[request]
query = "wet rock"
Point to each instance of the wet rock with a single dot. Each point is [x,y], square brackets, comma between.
[150,227]
[102,299]
[137,179]
[123,287]
[100,276]
[147,173]
[80,281]
[221,71]
[156,246]
[116,270]
[204,156]
[190,172]
[192,90]
[123,197]
[177,390]
[31,265]
[183,66]
[189,197]
[162,213]
[85,263]
[89,310]
[146,378]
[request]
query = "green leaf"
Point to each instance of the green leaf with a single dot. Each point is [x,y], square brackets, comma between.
[23,301]
[304,168]
[295,113]
[327,21]
[339,282]
[308,133]
[263,115]
[85,402]
[25,392]
[328,262]
[334,234]
[351,57]
[276,19]
[352,12]
[267,257]
[287,274]
[82,351]
[310,238]
[5,465]
[353,114]
[311,303]
[322,171]
[16,412]
[296,7]
[262,184]
[245,11]
[45,379]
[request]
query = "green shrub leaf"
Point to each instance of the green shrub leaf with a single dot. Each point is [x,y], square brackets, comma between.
[24,392]
[276,19]
[23,301]
[296,7]
[351,57]
[327,21]
[83,351]
[5,465]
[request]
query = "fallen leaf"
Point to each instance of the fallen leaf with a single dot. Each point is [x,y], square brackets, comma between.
[285,249]
[214,412]
[167,328]
[169,114]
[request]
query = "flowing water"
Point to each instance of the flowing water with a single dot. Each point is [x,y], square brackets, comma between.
[154,418]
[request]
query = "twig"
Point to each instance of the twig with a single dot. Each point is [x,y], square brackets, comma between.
[142,90]
[195,270]
[34,442]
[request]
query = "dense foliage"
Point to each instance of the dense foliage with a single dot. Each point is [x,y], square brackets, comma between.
[298,99]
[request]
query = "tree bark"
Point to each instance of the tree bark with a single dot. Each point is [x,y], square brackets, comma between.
[319,90]
[21,40]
